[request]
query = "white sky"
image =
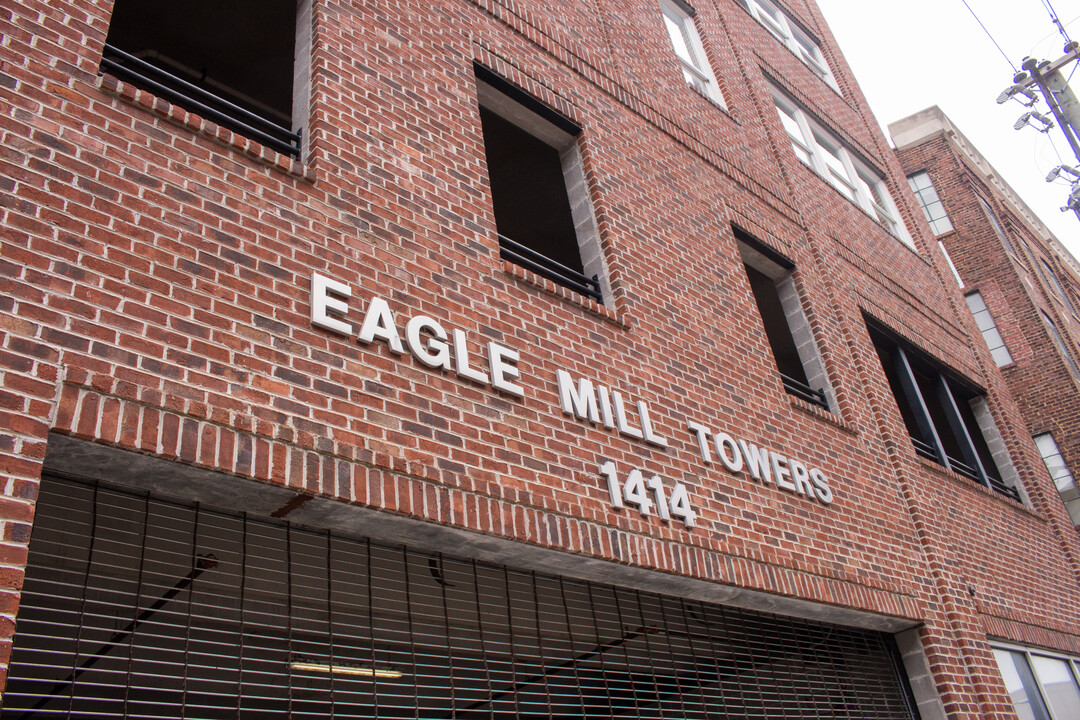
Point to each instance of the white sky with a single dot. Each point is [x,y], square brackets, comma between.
[912,54]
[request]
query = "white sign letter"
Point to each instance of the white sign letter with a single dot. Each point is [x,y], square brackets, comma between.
[435,353]
[757,461]
[461,359]
[702,433]
[620,417]
[580,403]
[322,304]
[502,365]
[781,471]
[379,323]
[734,461]
[605,407]
[821,486]
[801,476]
[646,426]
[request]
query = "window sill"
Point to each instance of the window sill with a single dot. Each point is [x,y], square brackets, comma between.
[204,128]
[712,101]
[974,485]
[552,288]
[895,238]
[821,413]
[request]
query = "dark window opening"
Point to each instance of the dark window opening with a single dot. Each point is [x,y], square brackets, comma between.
[228,61]
[940,413]
[770,278]
[528,191]
[534,170]
[135,605]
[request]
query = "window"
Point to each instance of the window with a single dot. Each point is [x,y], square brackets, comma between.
[542,209]
[1060,474]
[786,328]
[948,420]
[996,224]
[985,322]
[1056,337]
[828,157]
[931,204]
[679,22]
[789,32]
[1052,280]
[231,63]
[1042,686]
[952,265]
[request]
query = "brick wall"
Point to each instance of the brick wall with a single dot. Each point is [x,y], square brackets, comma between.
[1017,291]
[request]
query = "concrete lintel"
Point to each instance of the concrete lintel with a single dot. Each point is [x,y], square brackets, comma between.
[82,459]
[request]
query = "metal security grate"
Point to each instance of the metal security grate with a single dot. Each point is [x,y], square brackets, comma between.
[137,606]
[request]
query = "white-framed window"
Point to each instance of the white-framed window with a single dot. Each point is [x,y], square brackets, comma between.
[1060,474]
[823,152]
[1060,344]
[679,23]
[985,322]
[796,39]
[931,204]
[1042,685]
[996,224]
[1052,279]
[952,265]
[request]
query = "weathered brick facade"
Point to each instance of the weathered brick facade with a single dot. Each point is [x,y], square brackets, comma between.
[1026,279]
[157,272]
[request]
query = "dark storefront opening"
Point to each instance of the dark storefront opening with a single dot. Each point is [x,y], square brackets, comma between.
[139,606]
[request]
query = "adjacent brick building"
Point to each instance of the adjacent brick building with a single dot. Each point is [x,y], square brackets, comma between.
[490,359]
[1021,283]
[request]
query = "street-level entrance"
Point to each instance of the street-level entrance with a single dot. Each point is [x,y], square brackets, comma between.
[143,607]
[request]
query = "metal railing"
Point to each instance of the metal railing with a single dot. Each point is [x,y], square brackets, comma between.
[542,265]
[962,468]
[1004,489]
[804,392]
[925,450]
[193,98]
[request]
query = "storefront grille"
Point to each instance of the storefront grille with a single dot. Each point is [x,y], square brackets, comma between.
[137,606]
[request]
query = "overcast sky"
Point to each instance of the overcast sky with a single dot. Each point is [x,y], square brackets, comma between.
[912,54]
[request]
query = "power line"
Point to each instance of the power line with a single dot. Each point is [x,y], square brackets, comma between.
[1053,146]
[1054,18]
[1050,35]
[1014,68]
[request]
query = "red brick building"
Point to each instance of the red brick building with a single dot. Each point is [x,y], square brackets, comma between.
[1021,283]
[491,359]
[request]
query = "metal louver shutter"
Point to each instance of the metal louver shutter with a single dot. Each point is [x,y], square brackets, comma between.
[142,607]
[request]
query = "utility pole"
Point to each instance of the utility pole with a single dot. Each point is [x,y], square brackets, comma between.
[1047,77]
